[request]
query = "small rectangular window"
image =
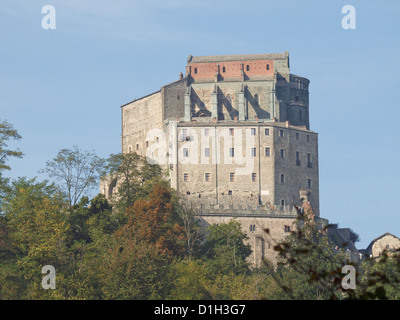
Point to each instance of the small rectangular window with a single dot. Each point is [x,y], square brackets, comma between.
[207,177]
[253,152]
[253,131]
[206,132]
[137,146]
[207,152]
[267,152]
[287,228]
[267,131]
[229,192]
[281,133]
[231,152]
[254,177]
[232,177]
[231,131]
[282,178]
[297,136]
[282,153]
[282,203]
[185,152]
[308,138]
[185,177]
[309,183]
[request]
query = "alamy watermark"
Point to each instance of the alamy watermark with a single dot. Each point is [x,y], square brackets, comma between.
[49,281]
[49,20]
[209,146]
[349,281]
[349,20]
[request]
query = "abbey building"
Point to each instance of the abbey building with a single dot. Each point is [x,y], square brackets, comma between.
[234,135]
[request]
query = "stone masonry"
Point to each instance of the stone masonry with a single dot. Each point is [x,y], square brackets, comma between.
[233,133]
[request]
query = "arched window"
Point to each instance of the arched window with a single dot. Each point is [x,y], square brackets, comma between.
[223,69]
[247,68]
[195,70]
[267,66]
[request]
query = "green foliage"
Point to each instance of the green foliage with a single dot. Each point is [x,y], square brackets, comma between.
[135,177]
[7,132]
[128,269]
[380,278]
[190,280]
[310,268]
[224,250]
[36,229]
[146,244]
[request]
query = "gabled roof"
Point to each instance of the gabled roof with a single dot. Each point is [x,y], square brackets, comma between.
[369,248]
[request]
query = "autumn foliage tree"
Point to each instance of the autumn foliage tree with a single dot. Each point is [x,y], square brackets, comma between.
[155,221]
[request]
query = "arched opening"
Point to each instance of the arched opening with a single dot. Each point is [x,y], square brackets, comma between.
[113,184]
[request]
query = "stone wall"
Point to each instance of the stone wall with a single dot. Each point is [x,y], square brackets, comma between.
[387,242]
[138,118]
[173,99]
[251,176]
[262,237]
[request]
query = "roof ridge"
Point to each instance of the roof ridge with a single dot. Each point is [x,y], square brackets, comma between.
[234,57]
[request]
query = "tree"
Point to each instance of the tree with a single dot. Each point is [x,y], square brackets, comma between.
[155,222]
[131,269]
[380,277]
[225,250]
[37,229]
[134,177]
[193,232]
[310,268]
[7,132]
[76,171]
[190,280]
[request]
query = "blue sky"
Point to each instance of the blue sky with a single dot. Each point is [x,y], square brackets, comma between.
[64,87]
